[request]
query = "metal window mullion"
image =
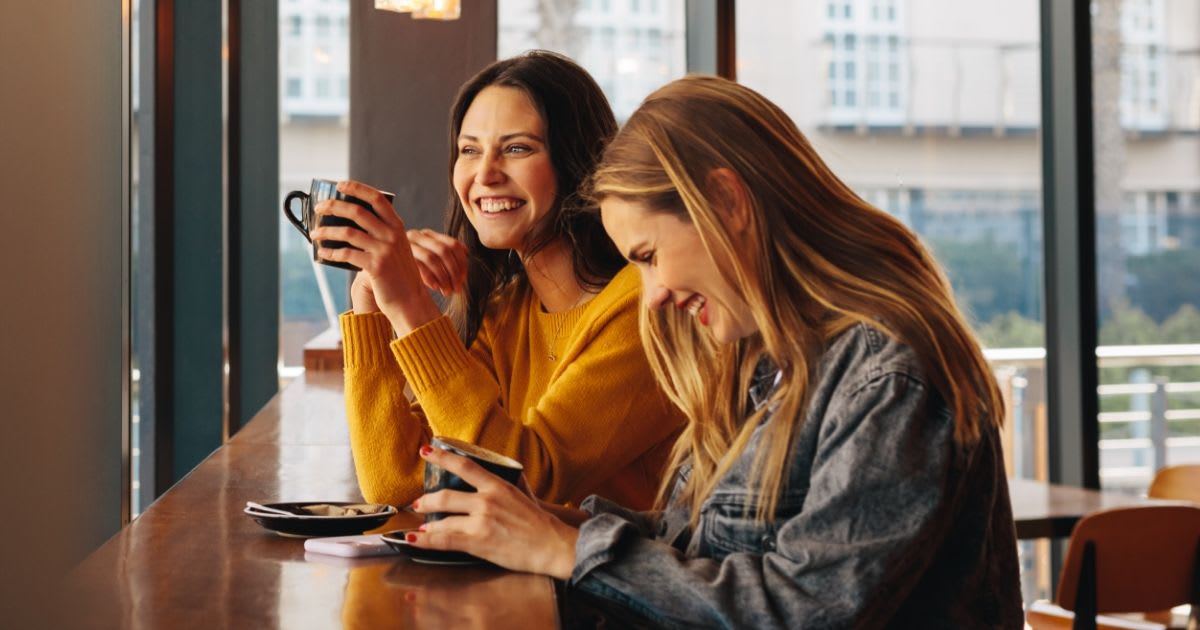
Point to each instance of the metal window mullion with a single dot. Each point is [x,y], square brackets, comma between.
[1070,243]
[710,35]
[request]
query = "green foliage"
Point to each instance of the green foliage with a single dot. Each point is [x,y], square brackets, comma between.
[1011,330]
[1183,326]
[986,275]
[1129,326]
[1165,281]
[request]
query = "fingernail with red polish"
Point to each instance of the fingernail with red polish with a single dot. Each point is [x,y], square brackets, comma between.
[410,537]
[426,451]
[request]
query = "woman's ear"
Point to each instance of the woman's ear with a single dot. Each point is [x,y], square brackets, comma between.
[729,193]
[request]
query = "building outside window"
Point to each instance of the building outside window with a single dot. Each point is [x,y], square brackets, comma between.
[629,47]
[1143,65]
[866,52]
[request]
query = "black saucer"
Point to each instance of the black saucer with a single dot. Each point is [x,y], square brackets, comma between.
[303,525]
[395,539]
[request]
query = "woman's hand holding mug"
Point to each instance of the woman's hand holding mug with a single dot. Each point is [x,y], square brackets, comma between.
[441,261]
[499,522]
[380,247]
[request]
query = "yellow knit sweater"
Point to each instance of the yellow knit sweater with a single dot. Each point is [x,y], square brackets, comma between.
[570,395]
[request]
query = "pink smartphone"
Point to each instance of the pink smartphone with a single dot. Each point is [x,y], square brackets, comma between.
[361,546]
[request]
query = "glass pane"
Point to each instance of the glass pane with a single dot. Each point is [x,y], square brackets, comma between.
[141,418]
[314,142]
[938,126]
[630,48]
[1147,118]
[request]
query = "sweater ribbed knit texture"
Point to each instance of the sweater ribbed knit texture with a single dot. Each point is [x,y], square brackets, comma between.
[570,395]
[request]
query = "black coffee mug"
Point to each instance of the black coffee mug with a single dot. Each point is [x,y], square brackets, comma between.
[438,478]
[321,190]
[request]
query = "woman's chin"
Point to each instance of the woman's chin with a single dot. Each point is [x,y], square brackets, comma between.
[495,241]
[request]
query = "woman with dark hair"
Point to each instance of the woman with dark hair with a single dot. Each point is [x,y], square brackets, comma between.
[841,466]
[539,358]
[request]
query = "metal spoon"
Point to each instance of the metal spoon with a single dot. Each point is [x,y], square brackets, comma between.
[269,510]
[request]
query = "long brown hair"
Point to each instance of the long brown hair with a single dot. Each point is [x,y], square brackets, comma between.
[579,123]
[822,261]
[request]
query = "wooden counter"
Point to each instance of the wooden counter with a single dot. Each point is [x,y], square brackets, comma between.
[193,560]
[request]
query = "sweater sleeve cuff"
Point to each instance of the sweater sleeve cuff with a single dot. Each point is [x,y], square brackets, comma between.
[430,354]
[365,338]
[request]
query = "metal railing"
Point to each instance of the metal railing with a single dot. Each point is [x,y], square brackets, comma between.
[1151,422]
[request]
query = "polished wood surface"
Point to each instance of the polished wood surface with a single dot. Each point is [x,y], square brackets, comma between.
[1046,510]
[193,560]
[324,352]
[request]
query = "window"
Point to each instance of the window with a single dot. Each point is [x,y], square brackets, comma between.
[936,124]
[1147,237]
[295,25]
[313,143]
[141,430]
[628,61]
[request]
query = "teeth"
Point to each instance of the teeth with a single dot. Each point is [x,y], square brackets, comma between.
[491,206]
[694,305]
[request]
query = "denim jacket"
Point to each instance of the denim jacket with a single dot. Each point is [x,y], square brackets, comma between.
[883,521]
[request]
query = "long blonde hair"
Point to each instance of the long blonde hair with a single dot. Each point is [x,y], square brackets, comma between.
[822,260]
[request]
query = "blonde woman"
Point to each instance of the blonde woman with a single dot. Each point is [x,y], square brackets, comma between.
[841,465]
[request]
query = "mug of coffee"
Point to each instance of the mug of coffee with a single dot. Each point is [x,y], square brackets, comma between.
[308,218]
[438,478]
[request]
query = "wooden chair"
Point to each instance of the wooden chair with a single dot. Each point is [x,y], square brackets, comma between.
[1126,560]
[1177,482]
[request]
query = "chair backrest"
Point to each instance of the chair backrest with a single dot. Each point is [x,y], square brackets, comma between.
[1142,557]
[1177,482]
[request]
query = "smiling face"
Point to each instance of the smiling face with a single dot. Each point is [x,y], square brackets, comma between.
[677,271]
[503,175]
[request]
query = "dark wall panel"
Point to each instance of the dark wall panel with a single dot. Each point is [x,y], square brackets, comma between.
[404,74]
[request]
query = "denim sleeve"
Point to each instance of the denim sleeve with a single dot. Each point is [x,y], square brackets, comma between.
[645,523]
[857,544]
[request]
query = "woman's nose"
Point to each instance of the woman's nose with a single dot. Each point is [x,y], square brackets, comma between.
[656,296]
[489,171]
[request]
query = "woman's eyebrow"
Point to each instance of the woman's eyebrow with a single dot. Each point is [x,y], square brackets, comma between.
[506,137]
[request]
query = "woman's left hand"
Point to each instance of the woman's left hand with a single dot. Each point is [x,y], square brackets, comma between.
[499,523]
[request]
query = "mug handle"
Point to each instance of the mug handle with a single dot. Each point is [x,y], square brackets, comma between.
[287,211]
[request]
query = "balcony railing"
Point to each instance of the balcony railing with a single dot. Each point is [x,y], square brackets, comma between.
[1153,431]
